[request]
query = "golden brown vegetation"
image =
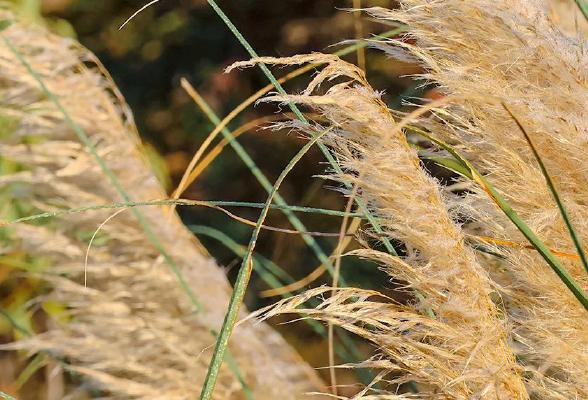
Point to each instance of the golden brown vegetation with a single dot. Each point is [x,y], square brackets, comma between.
[132,330]
[501,328]
[492,324]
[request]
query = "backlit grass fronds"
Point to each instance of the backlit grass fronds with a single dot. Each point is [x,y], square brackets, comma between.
[511,51]
[462,350]
[132,331]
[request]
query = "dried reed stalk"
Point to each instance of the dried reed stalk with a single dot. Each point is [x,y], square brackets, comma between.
[132,332]
[513,51]
[503,328]
[462,352]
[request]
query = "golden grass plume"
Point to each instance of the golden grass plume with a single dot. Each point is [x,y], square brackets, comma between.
[132,332]
[500,327]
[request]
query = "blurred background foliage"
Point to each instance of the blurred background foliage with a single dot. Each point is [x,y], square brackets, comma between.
[184,38]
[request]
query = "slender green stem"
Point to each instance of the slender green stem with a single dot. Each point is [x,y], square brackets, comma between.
[543,250]
[243,280]
[38,362]
[268,187]
[268,272]
[24,331]
[324,149]
[179,202]
[239,290]
[562,209]
[271,274]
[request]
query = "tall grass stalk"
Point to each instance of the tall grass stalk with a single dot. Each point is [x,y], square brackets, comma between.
[500,201]
[562,209]
[243,280]
[324,149]
[189,176]
[178,202]
[261,178]
[140,217]
[276,277]
[109,174]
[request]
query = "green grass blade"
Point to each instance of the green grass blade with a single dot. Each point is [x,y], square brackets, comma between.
[263,265]
[243,281]
[268,187]
[324,149]
[38,362]
[271,275]
[234,367]
[547,255]
[23,330]
[361,44]
[562,209]
[306,210]
[583,7]
[179,202]
[450,164]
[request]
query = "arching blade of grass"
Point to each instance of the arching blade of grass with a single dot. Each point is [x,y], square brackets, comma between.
[264,182]
[21,329]
[243,280]
[324,149]
[552,188]
[547,255]
[191,173]
[450,164]
[231,215]
[38,362]
[271,274]
[178,202]
[583,7]
[152,237]
[306,210]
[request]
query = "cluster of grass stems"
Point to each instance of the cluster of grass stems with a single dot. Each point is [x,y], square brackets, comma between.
[272,274]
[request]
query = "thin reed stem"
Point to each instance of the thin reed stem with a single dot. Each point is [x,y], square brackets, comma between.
[243,281]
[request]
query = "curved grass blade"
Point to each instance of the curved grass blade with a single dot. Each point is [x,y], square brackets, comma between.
[261,178]
[38,362]
[547,255]
[190,173]
[178,202]
[562,209]
[323,148]
[450,164]
[271,275]
[269,272]
[243,281]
